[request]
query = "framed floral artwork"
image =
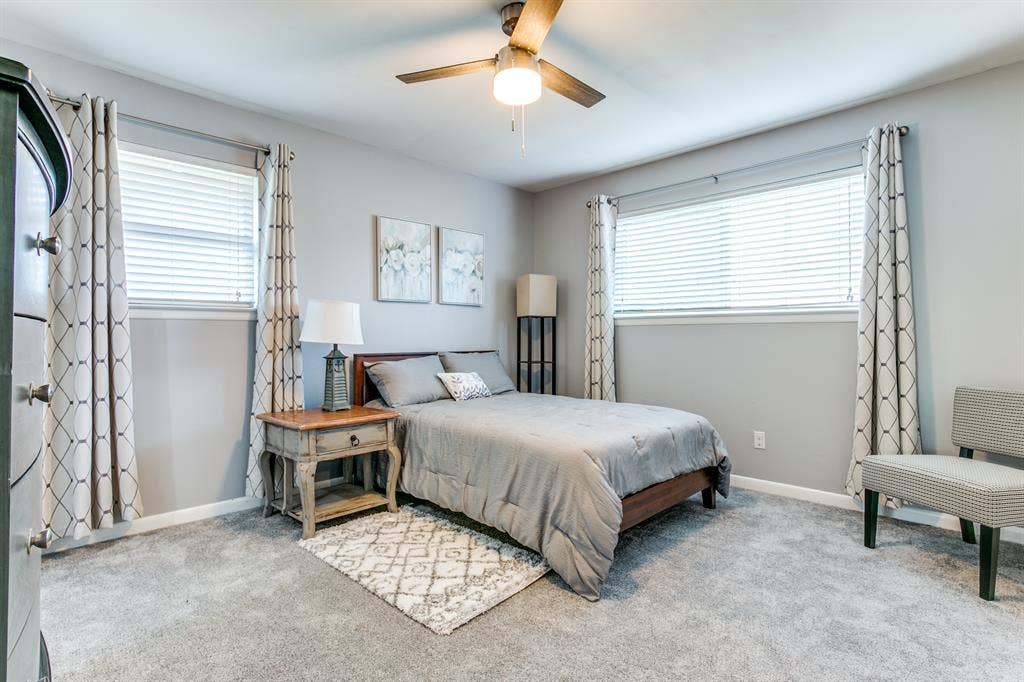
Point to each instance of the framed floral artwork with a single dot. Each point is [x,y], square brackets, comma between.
[461,267]
[404,260]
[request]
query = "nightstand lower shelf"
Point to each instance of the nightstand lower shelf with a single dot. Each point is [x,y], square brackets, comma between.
[337,501]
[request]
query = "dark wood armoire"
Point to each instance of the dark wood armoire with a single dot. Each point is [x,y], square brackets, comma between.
[35,174]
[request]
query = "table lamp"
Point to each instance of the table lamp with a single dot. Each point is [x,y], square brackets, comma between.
[333,322]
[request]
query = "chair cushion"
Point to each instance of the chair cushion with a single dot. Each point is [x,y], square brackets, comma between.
[983,492]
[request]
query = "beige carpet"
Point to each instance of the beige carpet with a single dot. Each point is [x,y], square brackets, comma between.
[438,573]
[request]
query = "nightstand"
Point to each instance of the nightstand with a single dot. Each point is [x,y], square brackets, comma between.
[302,439]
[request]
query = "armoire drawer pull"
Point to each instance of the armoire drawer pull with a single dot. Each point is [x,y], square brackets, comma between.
[42,393]
[51,244]
[42,539]
[354,440]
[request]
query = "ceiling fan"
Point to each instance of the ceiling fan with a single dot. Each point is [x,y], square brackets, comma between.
[518,73]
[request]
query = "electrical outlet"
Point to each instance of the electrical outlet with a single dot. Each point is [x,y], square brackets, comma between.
[759,440]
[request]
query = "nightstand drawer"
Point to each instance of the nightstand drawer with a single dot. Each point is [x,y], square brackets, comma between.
[352,437]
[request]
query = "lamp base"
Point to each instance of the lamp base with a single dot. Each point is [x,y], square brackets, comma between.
[335,382]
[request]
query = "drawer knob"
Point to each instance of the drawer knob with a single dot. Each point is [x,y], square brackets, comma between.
[41,393]
[51,244]
[42,539]
[354,439]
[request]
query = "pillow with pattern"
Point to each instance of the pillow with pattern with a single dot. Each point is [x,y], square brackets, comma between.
[464,385]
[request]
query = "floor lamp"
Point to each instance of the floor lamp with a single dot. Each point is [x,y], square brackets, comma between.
[536,297]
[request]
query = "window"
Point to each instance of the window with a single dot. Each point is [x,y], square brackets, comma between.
[189,230]
[789,247]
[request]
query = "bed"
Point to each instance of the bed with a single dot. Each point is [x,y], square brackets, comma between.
[560,475]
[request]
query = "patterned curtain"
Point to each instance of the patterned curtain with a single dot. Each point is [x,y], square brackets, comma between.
[277,380]
[886,418]
[89,469]
[599,371]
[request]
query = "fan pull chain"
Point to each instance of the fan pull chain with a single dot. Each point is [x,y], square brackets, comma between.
[522,147]
[513,119]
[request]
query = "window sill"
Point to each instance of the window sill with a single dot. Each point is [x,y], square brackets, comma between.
[774,317]
[172,313]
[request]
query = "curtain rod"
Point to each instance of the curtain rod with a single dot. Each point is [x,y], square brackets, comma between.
[173,128]
[904,130]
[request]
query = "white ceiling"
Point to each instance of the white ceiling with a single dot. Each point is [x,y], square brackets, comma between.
[677,75]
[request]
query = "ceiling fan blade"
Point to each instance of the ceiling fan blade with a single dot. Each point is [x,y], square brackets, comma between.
[534,23]
[447,71]
[568,86]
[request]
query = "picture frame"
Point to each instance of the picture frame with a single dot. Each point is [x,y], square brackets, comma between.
[404,260]
[460,267]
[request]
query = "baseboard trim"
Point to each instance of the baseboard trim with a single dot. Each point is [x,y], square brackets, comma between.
[911,514]
[168,519]
[155,522]
[208,511]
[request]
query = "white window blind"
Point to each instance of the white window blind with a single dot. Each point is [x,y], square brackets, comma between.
[784,248]
[189,230]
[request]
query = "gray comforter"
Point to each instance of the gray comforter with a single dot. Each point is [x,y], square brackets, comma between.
[551,471]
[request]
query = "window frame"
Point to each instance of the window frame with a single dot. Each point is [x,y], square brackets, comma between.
[153,310]
[777,315]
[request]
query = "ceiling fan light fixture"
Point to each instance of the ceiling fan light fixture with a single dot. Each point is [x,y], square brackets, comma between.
[516,77]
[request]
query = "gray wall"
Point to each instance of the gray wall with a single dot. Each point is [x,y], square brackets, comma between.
[964,161]
[964,169]
[192,385]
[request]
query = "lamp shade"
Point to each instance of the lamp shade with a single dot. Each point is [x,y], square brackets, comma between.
[536,295]
[332,322]
[517,80]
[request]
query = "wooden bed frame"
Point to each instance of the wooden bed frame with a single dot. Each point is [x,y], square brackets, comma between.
[636,508]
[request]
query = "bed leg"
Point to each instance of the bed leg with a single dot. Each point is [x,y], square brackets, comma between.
[708,497]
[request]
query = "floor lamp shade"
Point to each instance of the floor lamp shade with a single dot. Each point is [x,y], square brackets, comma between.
[333,322]
[536,295]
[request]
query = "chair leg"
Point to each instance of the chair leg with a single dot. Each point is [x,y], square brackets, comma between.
[989,562]
[967,532]
[870,518]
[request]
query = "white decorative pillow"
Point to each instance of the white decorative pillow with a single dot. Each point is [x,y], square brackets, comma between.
[464,385]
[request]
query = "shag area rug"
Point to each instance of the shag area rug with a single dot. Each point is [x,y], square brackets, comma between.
[436,572]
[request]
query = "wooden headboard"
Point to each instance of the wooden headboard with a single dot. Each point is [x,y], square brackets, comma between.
[363,388]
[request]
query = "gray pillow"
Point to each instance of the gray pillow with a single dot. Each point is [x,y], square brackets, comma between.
[487,365]
[407,382]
